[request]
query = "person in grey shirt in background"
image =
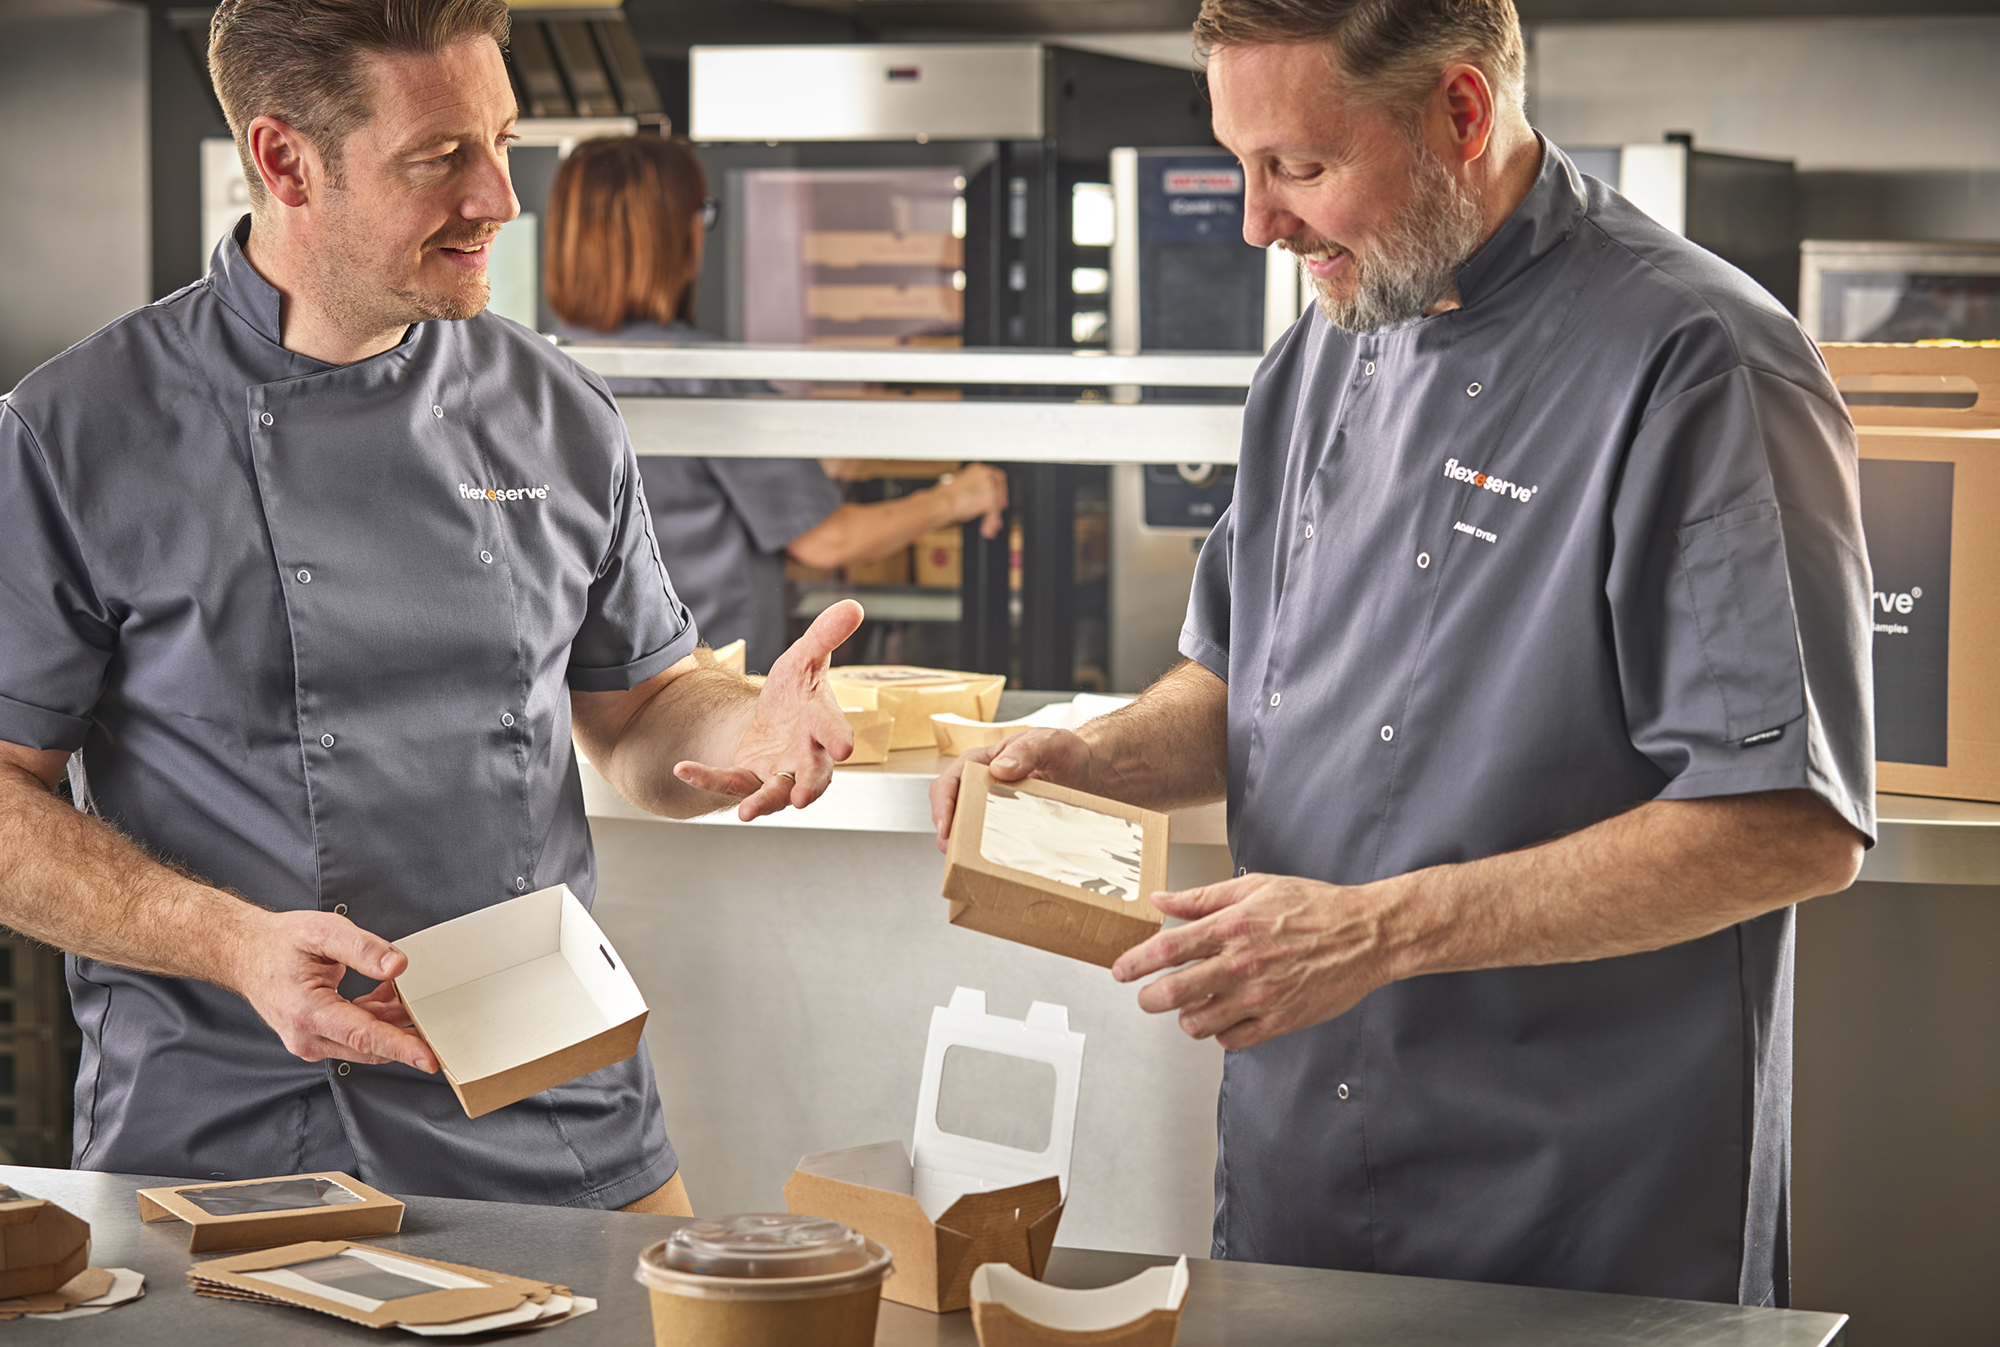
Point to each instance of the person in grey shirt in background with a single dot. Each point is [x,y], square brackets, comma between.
[1532,658]
[313,570]
[627,217]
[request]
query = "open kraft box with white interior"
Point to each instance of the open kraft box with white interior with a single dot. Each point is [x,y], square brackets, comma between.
[519,997]
[963,1195]
[1930,485]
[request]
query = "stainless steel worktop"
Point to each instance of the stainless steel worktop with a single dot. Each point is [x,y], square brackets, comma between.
[594,1253]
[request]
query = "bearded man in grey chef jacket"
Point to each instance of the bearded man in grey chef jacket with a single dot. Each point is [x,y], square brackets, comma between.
[313,568]
[1532,660]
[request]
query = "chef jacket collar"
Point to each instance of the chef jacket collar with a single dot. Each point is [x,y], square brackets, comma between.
[256,301]
[1549,213]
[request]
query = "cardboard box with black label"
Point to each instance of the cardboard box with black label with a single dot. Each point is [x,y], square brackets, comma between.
[1928,422]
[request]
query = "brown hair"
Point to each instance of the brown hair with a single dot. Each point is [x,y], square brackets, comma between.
[621,232]
[300,60]
[1391,51]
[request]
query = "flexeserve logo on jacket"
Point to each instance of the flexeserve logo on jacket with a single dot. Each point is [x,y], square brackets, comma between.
[1458,472]
[503,493]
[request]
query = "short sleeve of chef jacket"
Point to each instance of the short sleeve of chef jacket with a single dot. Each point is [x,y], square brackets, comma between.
[635,625]
[777,498]
[1735,590]
[56,635]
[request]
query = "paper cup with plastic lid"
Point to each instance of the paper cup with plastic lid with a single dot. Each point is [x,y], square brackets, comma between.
[764,1281]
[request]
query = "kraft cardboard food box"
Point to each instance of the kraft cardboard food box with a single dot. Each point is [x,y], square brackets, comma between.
[912,695]
[984,1179]
[518,997]
[1930,485]
[264,1213]
[1054,868]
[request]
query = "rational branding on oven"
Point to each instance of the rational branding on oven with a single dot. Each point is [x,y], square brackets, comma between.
[1203,182]
[503,493]
[1458,472]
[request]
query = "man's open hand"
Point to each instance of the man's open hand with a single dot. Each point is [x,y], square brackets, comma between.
[289,966]
[1264,955]
[796,733]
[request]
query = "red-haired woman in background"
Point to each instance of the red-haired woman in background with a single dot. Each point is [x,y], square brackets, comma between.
[626,220]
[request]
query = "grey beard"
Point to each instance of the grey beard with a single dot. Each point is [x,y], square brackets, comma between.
[1412,266]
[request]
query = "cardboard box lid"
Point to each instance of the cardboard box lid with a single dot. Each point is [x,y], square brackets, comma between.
[947,1164]
[515,983]
[1912,368]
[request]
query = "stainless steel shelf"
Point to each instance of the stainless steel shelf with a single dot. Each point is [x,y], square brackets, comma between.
[1927,841]
[832,364]
[988,432]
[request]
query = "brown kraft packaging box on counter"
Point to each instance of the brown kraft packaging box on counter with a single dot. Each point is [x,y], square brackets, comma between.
[912,695]
[263,1213]
[518,997]
[953,1201]
[1930,487]
[42,1245]
[1055,868]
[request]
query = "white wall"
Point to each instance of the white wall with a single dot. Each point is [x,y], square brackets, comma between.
[75,234]
[791,975]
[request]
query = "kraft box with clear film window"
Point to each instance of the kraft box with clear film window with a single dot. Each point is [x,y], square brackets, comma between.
[986,1178]
[1930,487]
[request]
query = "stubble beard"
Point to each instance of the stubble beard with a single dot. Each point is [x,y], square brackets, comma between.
[352,290]
[1414,262]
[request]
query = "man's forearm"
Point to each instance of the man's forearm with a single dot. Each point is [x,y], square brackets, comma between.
[70,881]
[699,717]
[1664,873]
[1169,749]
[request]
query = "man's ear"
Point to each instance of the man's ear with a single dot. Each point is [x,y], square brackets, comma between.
[1464,101]
[287,162]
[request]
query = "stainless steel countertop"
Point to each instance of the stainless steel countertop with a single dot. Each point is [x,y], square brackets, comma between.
[594,1252]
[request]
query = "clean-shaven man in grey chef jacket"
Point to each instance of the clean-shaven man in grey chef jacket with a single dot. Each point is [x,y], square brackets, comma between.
[312,569]
[1532,660]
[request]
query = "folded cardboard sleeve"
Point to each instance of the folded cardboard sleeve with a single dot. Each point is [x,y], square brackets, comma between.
[1008,1310]
[1055,868]
[248,1214]
[519,997]
[1930,484]
[952,1202]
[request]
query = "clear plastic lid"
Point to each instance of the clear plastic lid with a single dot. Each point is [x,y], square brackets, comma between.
[763,1256]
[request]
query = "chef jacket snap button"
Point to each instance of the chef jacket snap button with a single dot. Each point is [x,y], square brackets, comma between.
[486,557]
[1472,390]
[326,741]
[1368,368]
[1274,698]
[520,882]
[265,418]
[506,717]
[1388,733]
[305,577]
[340,909]
[1341,1089]
[1423,561]
[342,1069]
[1242,870]
[1309,530]
[438,412]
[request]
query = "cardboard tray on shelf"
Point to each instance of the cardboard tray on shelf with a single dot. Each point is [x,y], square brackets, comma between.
[372,1213]
[1039,908]
[952,1202]
[518,997]
[1930,482]
[912,695]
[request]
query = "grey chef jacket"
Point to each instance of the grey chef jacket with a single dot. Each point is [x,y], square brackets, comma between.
[1490,577]
[724,523]
[305,654]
